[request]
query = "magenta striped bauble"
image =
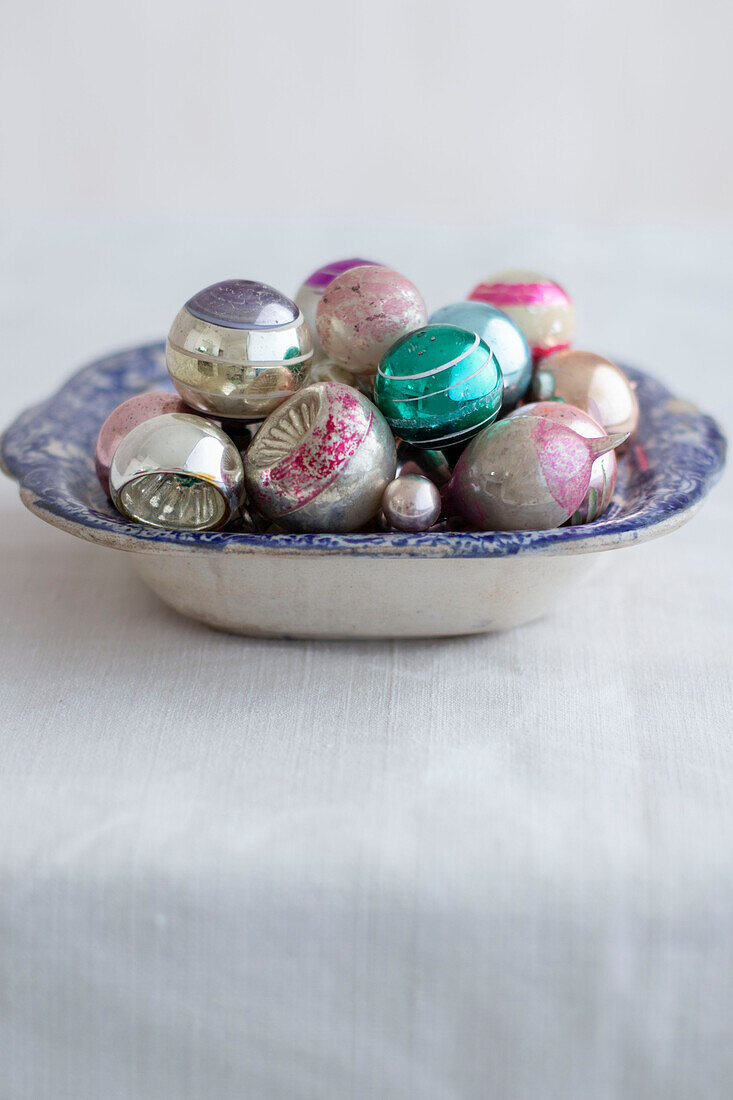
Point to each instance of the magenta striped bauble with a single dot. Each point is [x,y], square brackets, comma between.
[541,308]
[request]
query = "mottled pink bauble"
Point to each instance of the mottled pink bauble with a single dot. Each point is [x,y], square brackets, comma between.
[362,313]
[312,290]
[536,304]
[123,419]
[526,473]
[603,476]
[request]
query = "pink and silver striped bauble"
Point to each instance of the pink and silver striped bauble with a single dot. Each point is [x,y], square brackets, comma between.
[536,304]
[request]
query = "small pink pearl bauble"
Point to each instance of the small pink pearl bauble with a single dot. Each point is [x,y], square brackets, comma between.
[363,311]
[603,476]
[591,383]
[123,419]
[411,503]
[536,304]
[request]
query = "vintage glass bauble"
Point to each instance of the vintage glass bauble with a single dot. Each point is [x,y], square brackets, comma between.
[362,313]
[502,335]
[311,291]
[605,468]
[238,349]
[321,461]
[526,473]
[177,471]
[439,385]
[539,306]
[591,383]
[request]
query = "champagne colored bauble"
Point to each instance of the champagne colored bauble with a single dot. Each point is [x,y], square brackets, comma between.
[591,383]
[411,503]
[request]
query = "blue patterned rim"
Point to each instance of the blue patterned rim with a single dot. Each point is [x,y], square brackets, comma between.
[675,459]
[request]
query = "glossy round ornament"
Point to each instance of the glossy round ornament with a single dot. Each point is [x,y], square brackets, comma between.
[526,473]
[177,471]
[238,349]
[411,503]
[539,306]
[438,385]
[363,312]
[311,291]
[321,461]
[591,383]
[604,473]
[123,419]
[502,335]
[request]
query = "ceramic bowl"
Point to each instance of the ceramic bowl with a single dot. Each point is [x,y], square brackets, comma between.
[357,585]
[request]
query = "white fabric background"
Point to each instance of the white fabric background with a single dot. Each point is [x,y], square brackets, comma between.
[446,108]
[486,868]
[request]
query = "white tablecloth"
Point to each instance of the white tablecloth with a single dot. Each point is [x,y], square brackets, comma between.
[495,867]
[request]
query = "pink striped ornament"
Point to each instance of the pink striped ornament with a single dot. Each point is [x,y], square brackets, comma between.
[541,308]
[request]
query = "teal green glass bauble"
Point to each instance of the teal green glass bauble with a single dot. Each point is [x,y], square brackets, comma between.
[440,384]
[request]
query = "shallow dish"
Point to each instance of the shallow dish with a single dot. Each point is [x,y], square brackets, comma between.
[362,585]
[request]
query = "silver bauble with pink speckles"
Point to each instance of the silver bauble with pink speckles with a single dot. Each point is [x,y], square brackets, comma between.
[321,461]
